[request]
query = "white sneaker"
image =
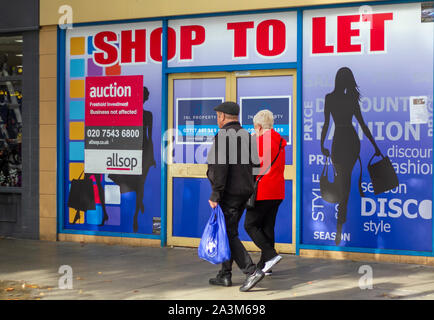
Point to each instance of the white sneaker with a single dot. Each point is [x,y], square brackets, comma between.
[270,263]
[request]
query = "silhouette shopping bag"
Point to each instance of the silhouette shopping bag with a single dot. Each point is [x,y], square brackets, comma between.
[81,195]
[383,175]
[330,191]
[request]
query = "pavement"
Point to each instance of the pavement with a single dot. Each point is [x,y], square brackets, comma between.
[29,270]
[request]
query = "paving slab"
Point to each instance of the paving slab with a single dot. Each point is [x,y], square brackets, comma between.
[115,272]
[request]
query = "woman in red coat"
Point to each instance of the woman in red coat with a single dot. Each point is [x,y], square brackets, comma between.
[260,220]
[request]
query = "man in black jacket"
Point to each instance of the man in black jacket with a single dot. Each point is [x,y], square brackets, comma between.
[231,163]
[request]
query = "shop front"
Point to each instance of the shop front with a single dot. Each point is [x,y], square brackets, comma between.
[350,87]
[19,144]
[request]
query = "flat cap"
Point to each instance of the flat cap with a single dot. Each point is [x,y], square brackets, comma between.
[228,107]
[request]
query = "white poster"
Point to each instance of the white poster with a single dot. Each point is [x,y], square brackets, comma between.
[240,39]
[418,110]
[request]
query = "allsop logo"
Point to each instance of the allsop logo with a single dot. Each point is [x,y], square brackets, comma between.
[121,163]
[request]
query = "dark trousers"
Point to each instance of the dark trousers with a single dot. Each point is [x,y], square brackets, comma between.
[233,210]
[259,224]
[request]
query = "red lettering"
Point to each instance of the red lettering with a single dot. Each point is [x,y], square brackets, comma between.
[319,36]
[156,44]
[108,53]
[240,37]
[138,45]
[345,33]
[263,38]
[188,41]
[377,41]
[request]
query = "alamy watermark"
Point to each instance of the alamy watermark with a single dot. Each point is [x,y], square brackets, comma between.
[227,147]
[366,280]
[66,280]
[65,20]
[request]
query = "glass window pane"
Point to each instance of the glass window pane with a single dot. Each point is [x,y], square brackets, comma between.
[274,93]
[10,133]
[11,65]
[11,55]
[194,118]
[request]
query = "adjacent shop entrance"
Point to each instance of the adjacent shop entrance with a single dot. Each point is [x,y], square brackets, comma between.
[192,125]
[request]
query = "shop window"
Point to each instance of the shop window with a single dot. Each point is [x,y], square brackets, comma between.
[11,70]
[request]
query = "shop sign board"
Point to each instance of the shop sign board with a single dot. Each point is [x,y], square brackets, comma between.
[239,39]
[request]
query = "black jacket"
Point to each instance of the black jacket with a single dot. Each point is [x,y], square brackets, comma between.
[231,162]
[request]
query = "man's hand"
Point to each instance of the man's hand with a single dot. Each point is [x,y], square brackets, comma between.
[212,204]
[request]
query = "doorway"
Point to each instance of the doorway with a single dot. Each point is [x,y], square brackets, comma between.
[193,125]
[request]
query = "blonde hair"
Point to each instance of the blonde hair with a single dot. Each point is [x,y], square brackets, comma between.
[264,118]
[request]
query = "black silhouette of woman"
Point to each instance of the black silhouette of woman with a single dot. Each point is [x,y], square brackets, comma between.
[136,183]
[342,104]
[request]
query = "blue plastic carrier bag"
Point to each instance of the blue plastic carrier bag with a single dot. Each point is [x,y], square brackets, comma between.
[214,244]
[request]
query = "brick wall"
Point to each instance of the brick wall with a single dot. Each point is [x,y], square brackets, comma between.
[47,132]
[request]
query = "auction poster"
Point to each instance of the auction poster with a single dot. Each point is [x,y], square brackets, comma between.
[367,96]
[113,125]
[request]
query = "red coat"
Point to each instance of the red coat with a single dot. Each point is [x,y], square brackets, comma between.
[272,185]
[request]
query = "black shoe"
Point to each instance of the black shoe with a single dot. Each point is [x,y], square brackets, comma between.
[252,280]
[221,281]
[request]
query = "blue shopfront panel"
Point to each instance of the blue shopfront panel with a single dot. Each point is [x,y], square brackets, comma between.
[126,215]
[191,210]
[390,95]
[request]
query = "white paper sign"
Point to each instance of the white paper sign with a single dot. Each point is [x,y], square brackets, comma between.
[418,110]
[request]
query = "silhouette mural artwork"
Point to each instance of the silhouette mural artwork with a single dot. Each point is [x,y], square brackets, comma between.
[136,183]
[342,104]
[367,133]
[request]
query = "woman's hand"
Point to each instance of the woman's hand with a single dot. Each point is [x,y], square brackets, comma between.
[377,151]
[325,152]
